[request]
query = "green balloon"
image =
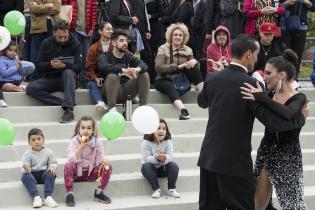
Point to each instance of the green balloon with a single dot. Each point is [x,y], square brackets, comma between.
[7,132]
[112,125]
[14,21]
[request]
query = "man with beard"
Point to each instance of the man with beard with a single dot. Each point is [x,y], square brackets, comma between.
[125,75]
[60,61]
[219,53]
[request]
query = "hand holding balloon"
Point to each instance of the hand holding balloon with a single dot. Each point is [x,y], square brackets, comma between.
[26,168]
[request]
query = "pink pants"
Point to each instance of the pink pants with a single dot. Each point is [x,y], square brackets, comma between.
[70,176]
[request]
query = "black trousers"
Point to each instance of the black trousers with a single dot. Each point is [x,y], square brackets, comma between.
[167,87]
[151,173]
[220,192]
[41,89]
[295,40]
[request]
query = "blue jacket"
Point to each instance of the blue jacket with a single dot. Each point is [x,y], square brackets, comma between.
[8,71]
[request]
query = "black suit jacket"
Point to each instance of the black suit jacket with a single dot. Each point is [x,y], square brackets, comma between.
[226,148]
[119,14]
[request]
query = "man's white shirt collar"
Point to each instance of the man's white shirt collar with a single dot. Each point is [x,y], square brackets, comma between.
[240,65]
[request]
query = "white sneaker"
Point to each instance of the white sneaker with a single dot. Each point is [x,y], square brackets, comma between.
[38,202]
[156,194]
[173,193]
[100,106]
[3,103]
[50,202]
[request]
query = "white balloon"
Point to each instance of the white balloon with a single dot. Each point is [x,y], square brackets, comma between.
[5,37]
[145,119]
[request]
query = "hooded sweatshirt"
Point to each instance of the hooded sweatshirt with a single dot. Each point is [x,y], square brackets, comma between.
[215,51]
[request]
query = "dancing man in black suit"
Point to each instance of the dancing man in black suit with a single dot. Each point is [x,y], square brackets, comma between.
[226,169]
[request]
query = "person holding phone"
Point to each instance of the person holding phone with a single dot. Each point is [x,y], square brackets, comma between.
[59,74]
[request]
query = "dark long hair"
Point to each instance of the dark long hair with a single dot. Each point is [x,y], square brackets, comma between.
[287,62]
[85,118]
[168,136]
[96,34]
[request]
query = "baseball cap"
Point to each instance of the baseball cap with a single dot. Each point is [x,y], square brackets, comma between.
[270,28]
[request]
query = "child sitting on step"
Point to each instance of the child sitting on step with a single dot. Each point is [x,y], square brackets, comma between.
[39,166]
[12,70]
[158,161]
[86,161]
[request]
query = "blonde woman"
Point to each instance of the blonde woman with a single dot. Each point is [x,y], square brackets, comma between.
[176,57]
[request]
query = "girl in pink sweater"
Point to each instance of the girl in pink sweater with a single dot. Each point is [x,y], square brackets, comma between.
[86,161]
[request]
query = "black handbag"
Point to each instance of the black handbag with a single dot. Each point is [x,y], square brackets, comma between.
[180,80]
[293,22]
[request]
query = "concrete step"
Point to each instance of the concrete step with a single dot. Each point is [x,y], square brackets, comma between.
[188,201]
[128,163]
[83,97]
[55,130]
[309,92]
[131,163]
[53,113]
[120,190]
[120,185]
[131,144]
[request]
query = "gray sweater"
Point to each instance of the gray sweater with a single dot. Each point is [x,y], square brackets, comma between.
[39,160]
[151,150]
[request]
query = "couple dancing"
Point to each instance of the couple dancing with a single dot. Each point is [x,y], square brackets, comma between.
[233,100]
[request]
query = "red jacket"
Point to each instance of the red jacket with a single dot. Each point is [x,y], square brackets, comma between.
[252,13]
[215,51]
[90,13]
[91,59]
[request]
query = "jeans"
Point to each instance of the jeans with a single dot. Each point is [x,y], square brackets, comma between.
[95,91]
[26,54]
[35,43]
[66,83]
[39,177]
[151,173]
[71,176]
[28,68]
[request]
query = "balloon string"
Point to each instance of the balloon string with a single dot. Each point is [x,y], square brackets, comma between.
[17,49]
[16,152]
[107,147]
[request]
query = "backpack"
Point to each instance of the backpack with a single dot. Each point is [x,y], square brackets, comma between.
[228,7]
[103,7]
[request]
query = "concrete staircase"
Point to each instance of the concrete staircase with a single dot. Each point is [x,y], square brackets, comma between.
[127,187]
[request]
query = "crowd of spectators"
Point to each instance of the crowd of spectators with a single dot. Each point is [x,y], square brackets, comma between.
[155,40]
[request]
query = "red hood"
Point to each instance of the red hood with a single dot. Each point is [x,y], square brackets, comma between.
[225,29]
